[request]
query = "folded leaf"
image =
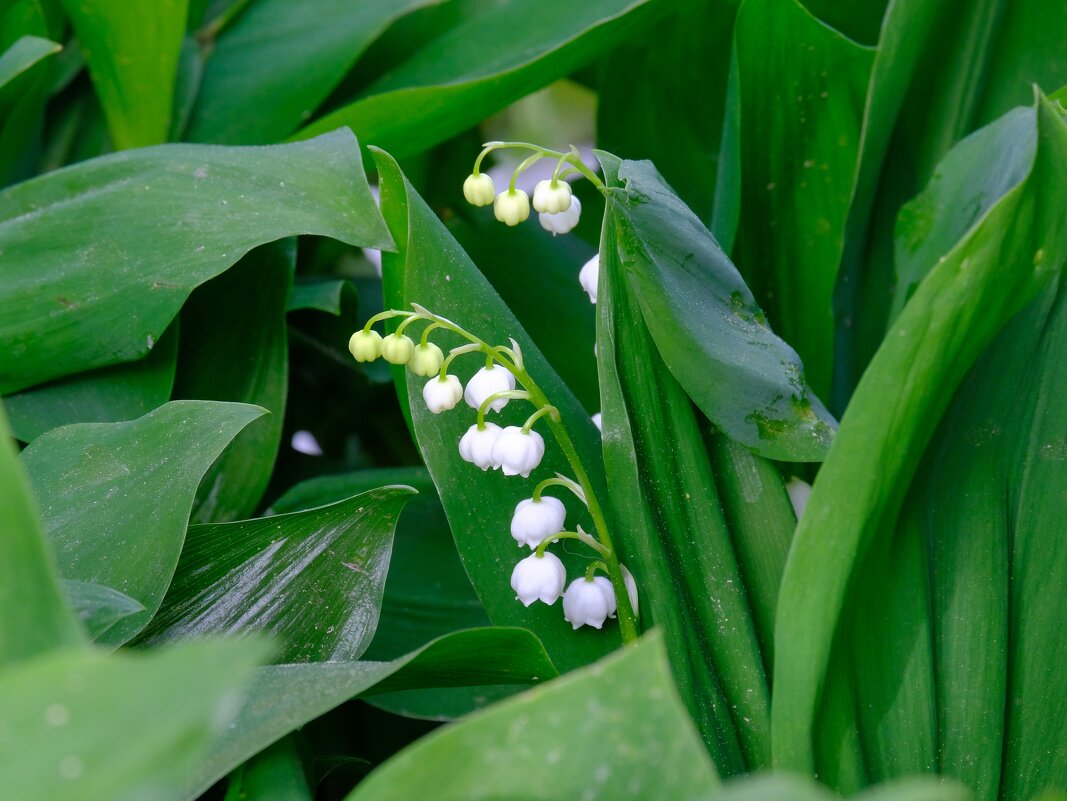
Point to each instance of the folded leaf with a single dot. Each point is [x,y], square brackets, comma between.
[98,607]
[22,55]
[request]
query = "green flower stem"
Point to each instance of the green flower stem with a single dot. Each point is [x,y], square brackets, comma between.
[452,354]
[385,315]
[572,158]
[590,572]
[550,410]
[581,536]
[627,619]
[559,481]
[426,334]
[522,168]
[510,394]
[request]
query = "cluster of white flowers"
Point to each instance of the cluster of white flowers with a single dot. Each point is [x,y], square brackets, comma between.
[537,521]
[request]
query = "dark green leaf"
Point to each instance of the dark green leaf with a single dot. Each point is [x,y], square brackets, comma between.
[115,497]
[799,147]
[134,233]
[323,295]
[1001,264]
[282,698]
[433,270]
[34,617]
[615,729]
[132,49]
[274,774]
[742,376]
[491,59]
[104,395]
[787,787]
[312,579]
[91,726]
[234,347]
[98,607]
[246,99]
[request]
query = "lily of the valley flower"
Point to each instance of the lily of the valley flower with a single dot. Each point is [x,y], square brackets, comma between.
[539,576]
[489,381]
[512,207]
[588,602]
[534,520]
[426,359]
[476,446]
[799,492]
[564,221]
[479,190]
[552,196]
[365,346]
[442,394]
[397,348]
[589,277]
[518,452]
[598,421]
[631,587]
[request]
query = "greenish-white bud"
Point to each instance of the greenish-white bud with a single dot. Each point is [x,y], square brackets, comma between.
[552,196]
[397,348]
[366,346]
[426,360]
[512,207]
[479,189]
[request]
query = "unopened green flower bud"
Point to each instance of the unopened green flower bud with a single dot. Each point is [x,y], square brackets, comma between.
[512,207]
[397,348]
[366,346]
[552,196]
[479,190]
[426,360]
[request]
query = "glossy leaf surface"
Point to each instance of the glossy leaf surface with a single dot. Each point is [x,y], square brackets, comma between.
[135,232]
[98,607]
[312,579]
[115,497]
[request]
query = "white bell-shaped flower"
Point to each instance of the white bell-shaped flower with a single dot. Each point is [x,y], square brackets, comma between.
[365,346]
[589,277]
[539,578]
[442,394]
[426,360]
[489,381]
[564,221]
[518,452]
[479,190]
[512,207]
[799,492]
[631,587]
[476,446]
[588,602]
[552,196]
[535,520]
[598,421]
[397,348]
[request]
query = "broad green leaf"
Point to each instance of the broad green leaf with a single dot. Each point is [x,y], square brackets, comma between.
[799,147]
[1001,264]
[234,347]
[115,497]
[492,58]
[274,774]
[312,579]
[132,49]
[134,233]
[34,617]
[282,698]
[23,54]
[676,541]
[427,592]
[246,99]
[647,108]
[611,730]
[83,726]
[789,787]
[104,395]
[98,607]
[743,377]
[433,270]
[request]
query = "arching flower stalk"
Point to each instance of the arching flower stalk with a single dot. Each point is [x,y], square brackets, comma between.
[516,451]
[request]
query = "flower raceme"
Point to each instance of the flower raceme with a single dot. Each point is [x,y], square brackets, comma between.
[515,450]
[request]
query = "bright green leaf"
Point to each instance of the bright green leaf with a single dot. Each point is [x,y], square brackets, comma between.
[615,729]
[115,497]
[100,256]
